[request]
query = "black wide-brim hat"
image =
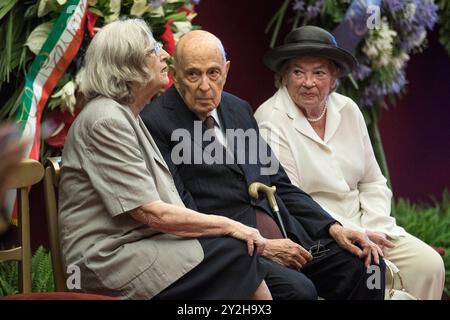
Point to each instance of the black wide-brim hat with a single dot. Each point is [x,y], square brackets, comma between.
[310,41]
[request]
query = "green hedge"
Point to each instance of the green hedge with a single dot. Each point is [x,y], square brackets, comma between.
[41,274]
[431,223]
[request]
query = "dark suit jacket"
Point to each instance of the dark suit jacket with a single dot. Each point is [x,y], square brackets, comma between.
[222,188]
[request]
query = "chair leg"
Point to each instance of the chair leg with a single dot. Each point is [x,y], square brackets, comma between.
[24,228]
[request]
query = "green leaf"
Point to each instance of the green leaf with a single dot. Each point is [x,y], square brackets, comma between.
[30,12]
[6,6]
[96,11]
[8,110]
[44,8]
[279,20]
[41,274]
[430,224]
[180,16]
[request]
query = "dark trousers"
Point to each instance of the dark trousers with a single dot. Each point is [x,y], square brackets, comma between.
[336,275]
[227,272]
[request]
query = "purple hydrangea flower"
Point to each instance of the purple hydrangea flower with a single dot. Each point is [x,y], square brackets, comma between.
[411,18]
[361,72]
[393,5]
[309,11]
[378,90]
[313,10]
[156,3]
[298,5]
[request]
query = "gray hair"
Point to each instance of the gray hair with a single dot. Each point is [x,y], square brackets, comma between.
[115,58]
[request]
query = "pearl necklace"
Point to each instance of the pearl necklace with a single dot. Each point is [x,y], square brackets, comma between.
[319,117]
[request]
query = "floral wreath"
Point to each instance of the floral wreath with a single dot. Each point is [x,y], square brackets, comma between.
[32,34]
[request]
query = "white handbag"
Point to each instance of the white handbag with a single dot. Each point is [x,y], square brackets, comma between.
[396,294]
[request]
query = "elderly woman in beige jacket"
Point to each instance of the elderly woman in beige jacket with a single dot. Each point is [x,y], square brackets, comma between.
[321,140]
[122,222]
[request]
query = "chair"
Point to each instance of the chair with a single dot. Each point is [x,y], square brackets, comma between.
[51,182]
[29,173]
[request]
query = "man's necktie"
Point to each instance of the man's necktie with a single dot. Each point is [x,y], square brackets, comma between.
[210,122]
[264,222]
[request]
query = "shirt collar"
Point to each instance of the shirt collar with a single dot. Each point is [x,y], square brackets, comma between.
[215,115]
[334,105]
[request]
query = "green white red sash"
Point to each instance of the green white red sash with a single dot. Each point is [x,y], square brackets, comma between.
[47,68]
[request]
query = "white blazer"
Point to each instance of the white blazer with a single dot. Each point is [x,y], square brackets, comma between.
[340,172]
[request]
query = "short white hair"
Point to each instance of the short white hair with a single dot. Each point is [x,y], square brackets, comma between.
[115,58]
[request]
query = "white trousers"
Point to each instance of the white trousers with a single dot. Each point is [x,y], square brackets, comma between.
[421,268]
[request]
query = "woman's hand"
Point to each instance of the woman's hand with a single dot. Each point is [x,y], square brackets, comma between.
[357,243]
[381,240]
[254,240]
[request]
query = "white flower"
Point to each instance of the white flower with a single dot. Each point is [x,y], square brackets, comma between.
[182,28]
[400,60]
[79,77]
[157,12]
[378,46]
[67,96]
[410,11]
[44,7]
[114,7]
[139,8]
[420,39]
[191,16]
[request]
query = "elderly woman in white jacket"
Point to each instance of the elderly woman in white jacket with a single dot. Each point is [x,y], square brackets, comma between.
[321,140]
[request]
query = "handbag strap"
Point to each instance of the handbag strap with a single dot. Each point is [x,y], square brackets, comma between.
[393,270]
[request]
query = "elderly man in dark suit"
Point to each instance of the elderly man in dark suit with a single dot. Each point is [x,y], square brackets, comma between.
[212,145]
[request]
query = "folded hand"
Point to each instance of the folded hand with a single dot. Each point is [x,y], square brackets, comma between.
[381,240]
[255,241]
[287,253]
[357,243]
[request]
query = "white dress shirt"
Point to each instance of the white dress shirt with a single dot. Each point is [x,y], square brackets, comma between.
[218,131]
[340,172]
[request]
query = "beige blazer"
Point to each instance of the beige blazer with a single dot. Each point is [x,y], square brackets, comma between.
[111,165]
[340,172]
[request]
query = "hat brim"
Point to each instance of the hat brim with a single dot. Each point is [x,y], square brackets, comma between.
[275,58]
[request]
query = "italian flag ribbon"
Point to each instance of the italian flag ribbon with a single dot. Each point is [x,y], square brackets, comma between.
[47,68]
[49,65]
